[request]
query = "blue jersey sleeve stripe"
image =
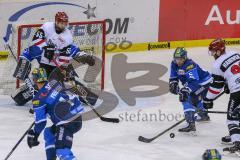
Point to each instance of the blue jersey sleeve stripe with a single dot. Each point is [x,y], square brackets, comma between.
[37,56]
[42,120]
[38,127]
[49,146]
[206,81]
[39,107]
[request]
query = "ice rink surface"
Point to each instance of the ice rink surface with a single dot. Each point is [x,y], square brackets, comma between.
[99,140]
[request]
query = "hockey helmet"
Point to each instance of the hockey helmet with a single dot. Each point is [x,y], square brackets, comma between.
[39,75]
[216,47]
[61,17]
[61,21]
[211,154]
[180,52]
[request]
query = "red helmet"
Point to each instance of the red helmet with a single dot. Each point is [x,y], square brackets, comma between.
[61,17]
[217,45]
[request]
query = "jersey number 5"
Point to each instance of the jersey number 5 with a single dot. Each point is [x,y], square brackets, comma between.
[235,69]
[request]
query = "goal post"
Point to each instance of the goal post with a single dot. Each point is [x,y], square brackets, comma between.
[89,36]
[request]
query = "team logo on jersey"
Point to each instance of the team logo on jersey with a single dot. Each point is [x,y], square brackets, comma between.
[181,72]
[237,81]
[189,67]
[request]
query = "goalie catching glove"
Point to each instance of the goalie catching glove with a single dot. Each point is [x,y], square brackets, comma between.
[85,58]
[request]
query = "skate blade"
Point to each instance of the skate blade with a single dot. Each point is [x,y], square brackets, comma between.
[192,133]
[237,153]
[203,121]
[227,143]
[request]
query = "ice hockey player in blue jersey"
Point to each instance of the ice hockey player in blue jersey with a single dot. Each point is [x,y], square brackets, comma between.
[52,43]
[195,83]
[64,110]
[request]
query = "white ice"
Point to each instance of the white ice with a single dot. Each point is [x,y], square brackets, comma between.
[99,140]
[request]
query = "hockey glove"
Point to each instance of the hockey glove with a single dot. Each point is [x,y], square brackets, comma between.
[184,94]
[226,89]
[207,103]
[173,87]
[49,51]
[32,139]
[236,112]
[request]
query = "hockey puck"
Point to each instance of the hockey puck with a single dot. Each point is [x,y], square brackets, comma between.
[172,135]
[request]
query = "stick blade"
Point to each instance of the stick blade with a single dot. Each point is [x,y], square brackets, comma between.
[113,120]
[143,139]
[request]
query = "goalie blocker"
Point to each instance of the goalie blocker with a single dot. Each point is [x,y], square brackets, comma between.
[25,93]
[23,69]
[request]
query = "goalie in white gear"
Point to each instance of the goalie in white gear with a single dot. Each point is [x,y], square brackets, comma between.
[226,71]
[52,43]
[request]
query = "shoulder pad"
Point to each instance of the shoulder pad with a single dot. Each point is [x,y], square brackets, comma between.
[40,34]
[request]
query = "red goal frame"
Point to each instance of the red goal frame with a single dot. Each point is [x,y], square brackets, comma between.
[21,27]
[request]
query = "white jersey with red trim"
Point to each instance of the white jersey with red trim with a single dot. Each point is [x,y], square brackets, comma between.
[60,41]
[226,70]
[63,42]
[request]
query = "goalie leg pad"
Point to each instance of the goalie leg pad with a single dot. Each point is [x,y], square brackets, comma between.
[23,69]
[22,95]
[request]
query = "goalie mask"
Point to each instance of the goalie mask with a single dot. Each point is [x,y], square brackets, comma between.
[39,75]
[61,21]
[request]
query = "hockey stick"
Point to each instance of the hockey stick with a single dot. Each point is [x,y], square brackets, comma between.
[217,112]
[19,141]
[105,119]
[148,140]
[10,49]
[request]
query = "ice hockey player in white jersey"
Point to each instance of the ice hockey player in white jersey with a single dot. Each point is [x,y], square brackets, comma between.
[226,70]
[52,43]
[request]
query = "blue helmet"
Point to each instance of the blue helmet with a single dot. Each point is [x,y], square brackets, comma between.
[180,52]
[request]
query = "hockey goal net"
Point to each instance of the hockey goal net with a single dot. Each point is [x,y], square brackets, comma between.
[88,36]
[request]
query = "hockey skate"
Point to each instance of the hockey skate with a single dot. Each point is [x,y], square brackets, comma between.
[235,149]
[190,129]
[226,140]
[202,116]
